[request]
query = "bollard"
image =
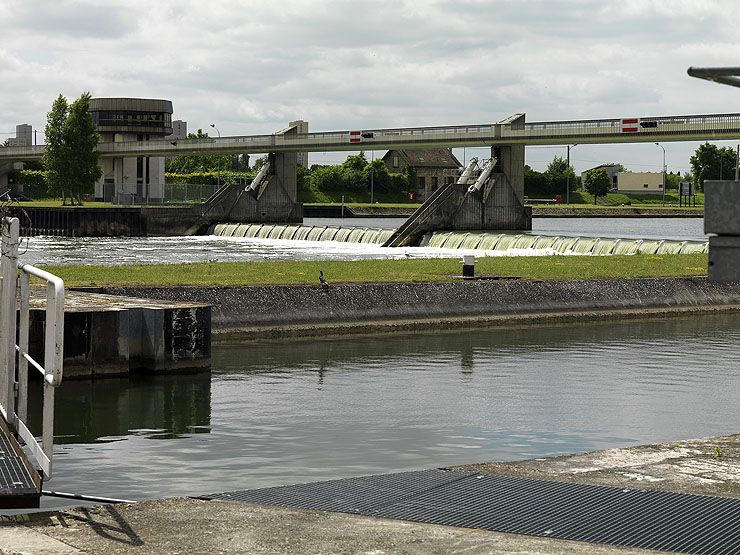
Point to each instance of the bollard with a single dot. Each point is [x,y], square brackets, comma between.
[468,269]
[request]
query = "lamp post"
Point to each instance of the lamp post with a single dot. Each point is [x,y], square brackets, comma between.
[567,176]
[218,175]
[661,146]
[372,184]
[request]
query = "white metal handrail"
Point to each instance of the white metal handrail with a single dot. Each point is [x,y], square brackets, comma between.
[53,347]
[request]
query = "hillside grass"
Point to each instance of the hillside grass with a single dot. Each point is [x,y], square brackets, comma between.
[382,271]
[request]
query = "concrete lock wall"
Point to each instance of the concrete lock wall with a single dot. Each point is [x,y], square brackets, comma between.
[722,218]
[121,341]
[242,311]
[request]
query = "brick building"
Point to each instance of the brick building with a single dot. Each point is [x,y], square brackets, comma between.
[434,167]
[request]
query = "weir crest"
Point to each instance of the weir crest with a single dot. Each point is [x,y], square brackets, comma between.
[473,240]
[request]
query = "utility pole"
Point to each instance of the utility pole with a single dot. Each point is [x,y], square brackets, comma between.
[218,175]
[567,176]
[661,146]
[372,184]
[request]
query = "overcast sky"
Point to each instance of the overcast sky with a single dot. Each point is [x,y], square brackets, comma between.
[251,66]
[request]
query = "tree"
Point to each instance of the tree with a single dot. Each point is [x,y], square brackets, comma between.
[82,139]
[597,183]
[259,162]
[711,162]
[71,155]
[56,151]
[559,174]
[199,163]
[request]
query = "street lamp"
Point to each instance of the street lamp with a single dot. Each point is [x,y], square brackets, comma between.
[372,184]
[567,176]
[218,175]
[661,146]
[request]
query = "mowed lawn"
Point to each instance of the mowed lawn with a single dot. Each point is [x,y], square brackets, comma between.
[379,271]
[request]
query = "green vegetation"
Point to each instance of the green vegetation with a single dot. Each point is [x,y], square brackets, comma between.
[209,177]
[382,271]
[597,183]
[553,181]
[711,162]
[354,179]
[623,199]
[71,156]
[206,163]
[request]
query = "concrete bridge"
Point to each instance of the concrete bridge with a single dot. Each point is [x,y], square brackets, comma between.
[498,206]
[511,131]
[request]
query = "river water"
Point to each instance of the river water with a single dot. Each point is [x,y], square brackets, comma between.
[278,412]
[147,250]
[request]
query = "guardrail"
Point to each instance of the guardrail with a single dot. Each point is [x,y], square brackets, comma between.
[631,129]
[12,382]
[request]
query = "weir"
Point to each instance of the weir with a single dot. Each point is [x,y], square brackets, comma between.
[472,240]
[487,197]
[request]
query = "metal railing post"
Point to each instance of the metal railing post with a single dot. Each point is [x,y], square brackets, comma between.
[9,265]
[23,324]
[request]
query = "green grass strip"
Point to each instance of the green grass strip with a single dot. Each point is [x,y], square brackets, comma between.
[379,271]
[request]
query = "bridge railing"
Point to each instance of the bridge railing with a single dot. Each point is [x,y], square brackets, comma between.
[650,126]
[14,382]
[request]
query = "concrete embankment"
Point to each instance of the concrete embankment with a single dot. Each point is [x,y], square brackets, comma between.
[704,466]
[616,212]
[263,311]
[335,211]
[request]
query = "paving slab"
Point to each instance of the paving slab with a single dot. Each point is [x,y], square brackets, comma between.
[707,466]
[179,526]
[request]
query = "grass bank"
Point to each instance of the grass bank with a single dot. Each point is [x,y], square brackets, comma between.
[383,271]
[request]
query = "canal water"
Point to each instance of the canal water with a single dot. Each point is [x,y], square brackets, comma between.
[278,412]
[147,250]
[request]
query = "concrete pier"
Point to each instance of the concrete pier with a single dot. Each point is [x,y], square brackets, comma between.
[112,335]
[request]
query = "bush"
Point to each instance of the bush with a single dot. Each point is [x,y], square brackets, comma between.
[34,183]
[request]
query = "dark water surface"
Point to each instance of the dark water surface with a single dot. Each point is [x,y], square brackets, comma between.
[289,411]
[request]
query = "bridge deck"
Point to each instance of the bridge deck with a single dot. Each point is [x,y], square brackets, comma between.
[595,131]
[20,484]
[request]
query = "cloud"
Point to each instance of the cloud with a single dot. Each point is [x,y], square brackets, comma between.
[251,66]
[70,18]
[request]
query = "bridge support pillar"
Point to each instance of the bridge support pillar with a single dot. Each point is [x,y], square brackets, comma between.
[501,207]
[274,200]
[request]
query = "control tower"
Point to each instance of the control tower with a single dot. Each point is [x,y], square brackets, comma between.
[131,120]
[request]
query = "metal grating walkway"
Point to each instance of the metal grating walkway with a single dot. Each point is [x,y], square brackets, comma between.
[646,519]
[18,487]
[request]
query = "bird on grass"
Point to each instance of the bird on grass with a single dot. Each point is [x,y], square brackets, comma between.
[322,280]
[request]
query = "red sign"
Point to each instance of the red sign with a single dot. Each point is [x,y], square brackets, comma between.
[355,137]
[629,125]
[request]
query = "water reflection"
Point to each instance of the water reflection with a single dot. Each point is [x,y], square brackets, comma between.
[300,410]
[151,407]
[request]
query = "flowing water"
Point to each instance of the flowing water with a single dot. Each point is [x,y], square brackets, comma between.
[360,238]
[289,411]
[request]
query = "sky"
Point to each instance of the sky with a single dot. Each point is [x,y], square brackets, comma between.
[251,66]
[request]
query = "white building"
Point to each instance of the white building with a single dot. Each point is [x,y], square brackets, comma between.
[640,182]
[131,119]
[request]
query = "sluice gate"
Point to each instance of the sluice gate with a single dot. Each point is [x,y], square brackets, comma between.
[520,243]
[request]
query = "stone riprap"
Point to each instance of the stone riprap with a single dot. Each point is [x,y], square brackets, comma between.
[310,310]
